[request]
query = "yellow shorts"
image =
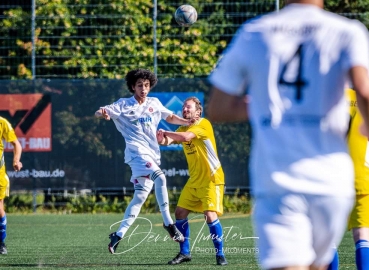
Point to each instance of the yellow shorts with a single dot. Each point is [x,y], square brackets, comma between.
[359,216]
[202,199]
[4,183]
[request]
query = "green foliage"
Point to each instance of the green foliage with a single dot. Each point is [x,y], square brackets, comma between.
[72,42]
[23,203]
[353,9]
[124,34]
[237,203]
[99,39]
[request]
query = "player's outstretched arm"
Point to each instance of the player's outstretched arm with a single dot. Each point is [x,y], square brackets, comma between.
[162,139]
[17,152]
[180,136]
[223,107]
[102,113]
[176,120]
[360,82]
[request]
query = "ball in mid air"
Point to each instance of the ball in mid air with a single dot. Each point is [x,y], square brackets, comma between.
[186,15]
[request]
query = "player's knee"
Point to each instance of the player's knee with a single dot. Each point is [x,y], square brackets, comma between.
[360,234]
[2,210]
[210,216]
[181,213]
[140,196]
[158,177]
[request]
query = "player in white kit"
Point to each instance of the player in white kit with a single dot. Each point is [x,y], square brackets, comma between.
[293,65]
[137,119]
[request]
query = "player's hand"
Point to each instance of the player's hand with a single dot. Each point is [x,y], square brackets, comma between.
[193,120]
[17,165]
[105,114]
[160,135]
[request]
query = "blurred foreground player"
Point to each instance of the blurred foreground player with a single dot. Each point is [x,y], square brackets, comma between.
[301,173]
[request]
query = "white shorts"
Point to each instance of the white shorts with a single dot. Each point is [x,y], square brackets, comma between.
[143,166]
[299,230]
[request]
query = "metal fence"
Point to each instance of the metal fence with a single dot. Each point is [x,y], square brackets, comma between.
[103,39]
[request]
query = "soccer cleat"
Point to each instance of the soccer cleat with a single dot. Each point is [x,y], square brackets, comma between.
[221,260]
[3,249]
[180,258]
[174,233]
[114,241]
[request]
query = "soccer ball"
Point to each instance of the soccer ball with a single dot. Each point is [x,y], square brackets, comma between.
[186,15]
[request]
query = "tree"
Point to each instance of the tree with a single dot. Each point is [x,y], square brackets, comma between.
[97,39]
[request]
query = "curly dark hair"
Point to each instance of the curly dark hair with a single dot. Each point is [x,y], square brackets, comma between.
[133,75]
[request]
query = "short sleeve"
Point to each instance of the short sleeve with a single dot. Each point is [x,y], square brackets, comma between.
[201,130]
[8,131]
[164,111]
[114,110]
[358,46]
[198,131]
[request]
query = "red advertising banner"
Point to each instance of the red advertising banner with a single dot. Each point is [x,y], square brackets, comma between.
[30,116]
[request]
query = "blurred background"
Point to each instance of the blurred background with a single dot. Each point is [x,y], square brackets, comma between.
[61,60]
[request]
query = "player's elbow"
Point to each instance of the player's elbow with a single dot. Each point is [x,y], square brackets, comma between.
[360,81]
[218,105]
[187,136]
[187,139]
[171,119]
[16,145]
[363,91]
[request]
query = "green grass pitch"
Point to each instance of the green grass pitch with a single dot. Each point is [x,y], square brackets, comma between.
[50,241]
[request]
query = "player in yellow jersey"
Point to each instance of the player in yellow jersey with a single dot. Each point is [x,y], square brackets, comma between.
[7,133]
[359,152]
[204,189]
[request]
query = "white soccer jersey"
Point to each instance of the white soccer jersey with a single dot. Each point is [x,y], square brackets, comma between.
[138,125]
[294,65]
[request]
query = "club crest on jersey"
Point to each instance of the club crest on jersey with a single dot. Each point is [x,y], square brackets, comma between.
[151,109]
[148,164]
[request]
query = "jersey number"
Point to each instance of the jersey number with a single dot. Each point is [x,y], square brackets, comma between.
[298,82]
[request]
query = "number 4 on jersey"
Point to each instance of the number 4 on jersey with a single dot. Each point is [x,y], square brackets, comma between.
[298,82]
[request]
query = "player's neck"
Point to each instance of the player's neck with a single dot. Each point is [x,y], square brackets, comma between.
[140,100]
[318,3]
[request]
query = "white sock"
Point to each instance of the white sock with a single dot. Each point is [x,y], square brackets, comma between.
[161,194]
[132,211]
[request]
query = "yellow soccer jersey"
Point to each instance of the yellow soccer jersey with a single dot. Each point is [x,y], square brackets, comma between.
[7,133]
[358,146]
[201,154]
